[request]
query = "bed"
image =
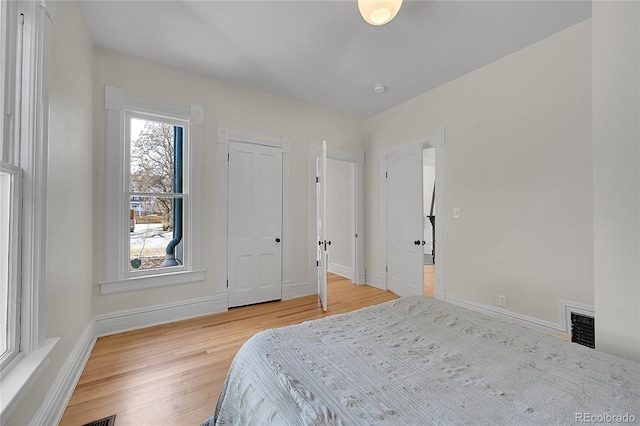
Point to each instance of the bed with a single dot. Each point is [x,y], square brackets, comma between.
[418,361]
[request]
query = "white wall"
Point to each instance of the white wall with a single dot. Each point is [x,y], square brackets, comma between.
[518,165]
[244,111]
[340,205]
[616,160]
[70,195]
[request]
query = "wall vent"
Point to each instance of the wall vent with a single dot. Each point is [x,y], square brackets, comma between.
[107,421]
[583,330]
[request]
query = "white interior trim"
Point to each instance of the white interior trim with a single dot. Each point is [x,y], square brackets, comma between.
[30,154]
[564,314]
[117,277]
[437,141]
[357,159]
[16,384]
[567,307]
[55,402]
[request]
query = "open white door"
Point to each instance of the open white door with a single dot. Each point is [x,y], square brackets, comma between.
[322,257]
[404,220]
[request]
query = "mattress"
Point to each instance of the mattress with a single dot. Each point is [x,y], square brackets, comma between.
[419,361]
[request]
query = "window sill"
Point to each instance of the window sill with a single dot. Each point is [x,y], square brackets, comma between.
[15,385]
[150,281]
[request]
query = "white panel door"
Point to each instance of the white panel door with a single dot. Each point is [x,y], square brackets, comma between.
[321,220]
[255,224]
[405,276]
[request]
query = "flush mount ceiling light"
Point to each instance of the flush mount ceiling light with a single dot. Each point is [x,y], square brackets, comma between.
[379,12]
[379,88]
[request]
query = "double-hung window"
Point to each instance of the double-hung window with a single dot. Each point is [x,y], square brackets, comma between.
[10,282]
[152,224]
[25,26]
[10,196]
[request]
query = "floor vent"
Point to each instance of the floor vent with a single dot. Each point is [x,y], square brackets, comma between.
[107,421]
[583,330]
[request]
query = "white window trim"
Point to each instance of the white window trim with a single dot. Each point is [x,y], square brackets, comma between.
[13,275]
[31,127]
[117,278]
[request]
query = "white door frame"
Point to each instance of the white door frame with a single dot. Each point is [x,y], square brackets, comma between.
[437,141]
[357,159]
[221,197]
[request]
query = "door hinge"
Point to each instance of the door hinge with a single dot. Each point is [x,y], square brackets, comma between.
[317,263]
[317,179]
[228,157]
[386,174]
[227,283]
[386,268]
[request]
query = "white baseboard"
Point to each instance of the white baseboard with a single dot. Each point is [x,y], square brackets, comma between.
[343,271]
[378,280]
[134,319]
[55,402]
[52,408]
[300,289]
[286,290]
[565,309]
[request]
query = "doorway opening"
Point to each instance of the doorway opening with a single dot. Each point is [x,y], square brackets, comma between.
[403,217]
[340,220]
[429,222]
[336,207]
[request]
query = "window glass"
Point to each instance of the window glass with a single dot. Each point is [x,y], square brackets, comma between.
[9,254]
[152,231]
[155,195]
[5,233]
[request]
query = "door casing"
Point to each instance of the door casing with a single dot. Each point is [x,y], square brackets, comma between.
[220,246]
[358,160]
[435,140]
[254,224]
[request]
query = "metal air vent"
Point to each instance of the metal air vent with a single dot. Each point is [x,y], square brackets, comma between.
[107,421]
[583,330]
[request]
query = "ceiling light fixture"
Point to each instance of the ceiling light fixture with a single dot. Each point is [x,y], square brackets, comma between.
[379,12]
[379,88]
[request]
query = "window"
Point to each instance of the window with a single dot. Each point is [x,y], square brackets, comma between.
[10,191]
[24,28]
[156,193]
[152,226]
[10,214]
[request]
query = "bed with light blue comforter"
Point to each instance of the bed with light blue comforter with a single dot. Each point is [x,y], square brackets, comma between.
[419,361]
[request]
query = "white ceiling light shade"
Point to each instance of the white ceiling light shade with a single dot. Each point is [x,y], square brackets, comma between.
[379,88]
[379,12]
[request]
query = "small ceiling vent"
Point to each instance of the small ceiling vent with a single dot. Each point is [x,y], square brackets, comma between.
[107,421]
[583,330]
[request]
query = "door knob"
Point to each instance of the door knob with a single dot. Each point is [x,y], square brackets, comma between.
[416,242]
[277,240]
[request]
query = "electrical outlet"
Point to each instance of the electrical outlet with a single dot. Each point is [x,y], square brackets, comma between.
[502,300]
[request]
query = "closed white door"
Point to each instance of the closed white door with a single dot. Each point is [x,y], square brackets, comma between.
[321,220]
[405,275]
[255,224]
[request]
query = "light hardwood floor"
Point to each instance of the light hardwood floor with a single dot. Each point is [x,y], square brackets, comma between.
[429,280]
[172,374]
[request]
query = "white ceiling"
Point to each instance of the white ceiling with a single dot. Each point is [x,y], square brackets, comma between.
[322,52]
